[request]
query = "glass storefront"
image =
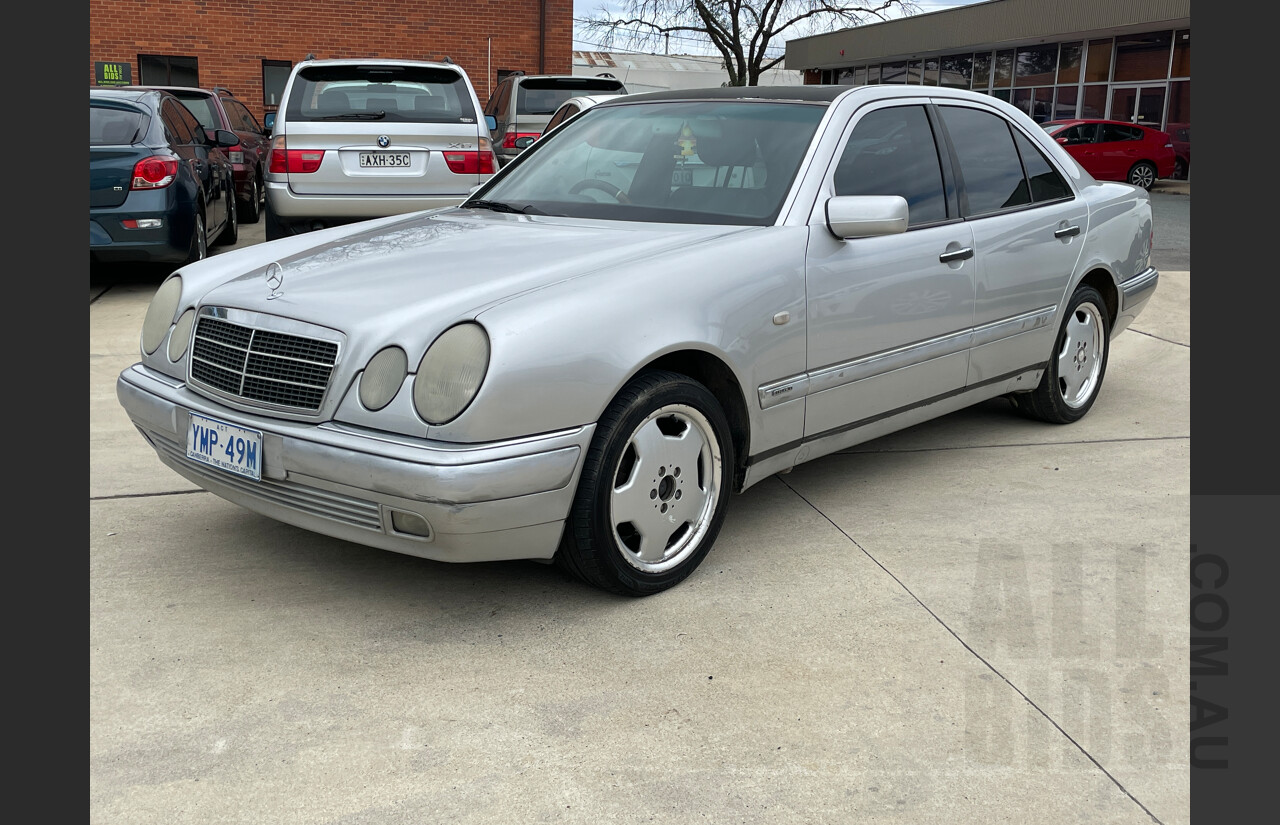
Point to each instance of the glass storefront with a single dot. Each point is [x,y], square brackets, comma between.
[1138,78]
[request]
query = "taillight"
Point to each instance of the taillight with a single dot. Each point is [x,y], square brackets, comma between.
[154,173]
[509,141]
[236,153]
[293,161]
[469,162]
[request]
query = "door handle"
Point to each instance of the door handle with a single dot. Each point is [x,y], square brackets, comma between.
[1066,232]
[957,255]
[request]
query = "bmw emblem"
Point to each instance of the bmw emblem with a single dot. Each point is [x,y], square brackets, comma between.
[275,280]
[384,141]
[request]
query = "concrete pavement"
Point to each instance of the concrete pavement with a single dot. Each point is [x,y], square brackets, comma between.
[980,619]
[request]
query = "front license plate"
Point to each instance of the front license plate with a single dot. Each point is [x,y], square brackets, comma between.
[388,160]
[225,446]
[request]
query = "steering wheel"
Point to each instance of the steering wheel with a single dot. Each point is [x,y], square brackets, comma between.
[603,185]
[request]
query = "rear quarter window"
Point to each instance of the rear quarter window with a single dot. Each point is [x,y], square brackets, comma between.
[114,126]
[391,94]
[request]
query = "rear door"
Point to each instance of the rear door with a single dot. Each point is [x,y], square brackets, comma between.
[383,130]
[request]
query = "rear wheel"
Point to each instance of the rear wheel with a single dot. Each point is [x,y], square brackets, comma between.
[251,212]
[1143,174]
[231,231]
[1071,381]
[653,490]
[199,249]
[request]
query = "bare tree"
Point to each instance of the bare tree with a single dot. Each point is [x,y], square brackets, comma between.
[747,33]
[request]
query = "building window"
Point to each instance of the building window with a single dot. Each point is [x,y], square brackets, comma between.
[931,65]
[915,74]
[1069,63]
[982,71]
[1097,65]
[1036,66]
[275,73]
[1181,55]
[1064,106]
[1143,56]
[1094,103]
[873,75]
[167,70]
[893,73]
[957,71]
[1003,71]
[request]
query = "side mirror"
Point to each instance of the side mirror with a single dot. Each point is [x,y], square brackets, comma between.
[524,142]
[269,122]
[1063,141]
[225,138]
[866,216]
[491,122]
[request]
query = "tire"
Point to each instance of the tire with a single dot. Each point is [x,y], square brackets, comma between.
[274,228]
[1077,365]
[1180,169]
[251,212]
[1142,174]
[231,231]
[199,249]
[653,490]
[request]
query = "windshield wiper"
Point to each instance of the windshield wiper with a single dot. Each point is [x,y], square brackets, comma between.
[356,116]
[496,206]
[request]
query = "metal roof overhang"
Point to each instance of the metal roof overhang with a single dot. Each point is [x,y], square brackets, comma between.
[996,24]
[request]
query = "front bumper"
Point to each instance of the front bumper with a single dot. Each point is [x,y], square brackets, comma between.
[485,502]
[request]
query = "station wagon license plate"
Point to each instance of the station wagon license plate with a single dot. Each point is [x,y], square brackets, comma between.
[384,160]
[225,446]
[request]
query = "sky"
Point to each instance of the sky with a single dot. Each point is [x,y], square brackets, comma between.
[584,8]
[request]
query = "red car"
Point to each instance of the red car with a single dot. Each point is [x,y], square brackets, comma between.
[1115,150]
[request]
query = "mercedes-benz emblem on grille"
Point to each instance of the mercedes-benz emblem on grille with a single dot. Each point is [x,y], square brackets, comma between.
[384,141]
[275,280]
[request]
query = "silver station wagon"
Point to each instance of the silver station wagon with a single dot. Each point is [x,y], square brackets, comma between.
[673,296]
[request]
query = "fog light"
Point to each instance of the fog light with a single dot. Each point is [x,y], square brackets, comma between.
[410,523]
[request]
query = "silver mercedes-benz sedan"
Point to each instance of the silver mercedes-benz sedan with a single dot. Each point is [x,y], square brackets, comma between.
[672,297]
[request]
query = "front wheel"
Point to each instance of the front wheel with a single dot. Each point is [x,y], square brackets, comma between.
[199,248]
[231,230]
[251,211]
[1071,381]
[1143,174]
[653,490]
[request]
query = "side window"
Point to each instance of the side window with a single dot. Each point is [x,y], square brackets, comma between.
[241,116]
[892,152]
[1046,183]
[498,99]
[990,169]
[1114,132]
[174,126]
[560,117]
[193,125]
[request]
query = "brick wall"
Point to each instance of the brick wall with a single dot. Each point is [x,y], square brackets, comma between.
[231,38]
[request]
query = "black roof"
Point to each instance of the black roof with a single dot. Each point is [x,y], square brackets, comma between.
[808,94]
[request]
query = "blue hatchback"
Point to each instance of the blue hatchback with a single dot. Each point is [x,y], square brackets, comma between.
[160,189]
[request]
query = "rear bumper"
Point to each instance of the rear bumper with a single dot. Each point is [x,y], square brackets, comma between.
[1134,295]
[289,206]
[483,502]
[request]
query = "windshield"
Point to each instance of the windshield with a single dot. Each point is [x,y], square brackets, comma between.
[711,161]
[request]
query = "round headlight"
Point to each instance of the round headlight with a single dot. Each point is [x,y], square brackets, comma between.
[450,373]
[382,378]
[160,314]
[181,335]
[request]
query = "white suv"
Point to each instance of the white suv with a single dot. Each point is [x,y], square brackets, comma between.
[361,139]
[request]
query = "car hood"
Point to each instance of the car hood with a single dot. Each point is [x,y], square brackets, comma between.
[412,276]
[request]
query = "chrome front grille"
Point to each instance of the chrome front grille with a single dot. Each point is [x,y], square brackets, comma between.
[262,366]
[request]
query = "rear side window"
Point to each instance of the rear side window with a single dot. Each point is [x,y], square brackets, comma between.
[542,96]
[1046,183]
[1116,132]
[892,152]
[989,164]
[412,94]
[202,107]
[113,126]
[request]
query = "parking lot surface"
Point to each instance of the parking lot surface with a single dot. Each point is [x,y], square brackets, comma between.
[980,619]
